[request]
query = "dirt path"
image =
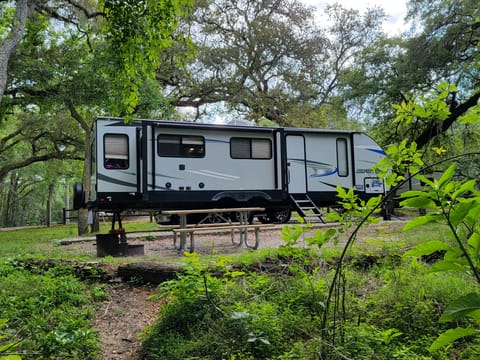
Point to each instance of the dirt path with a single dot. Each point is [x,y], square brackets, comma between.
[121,319]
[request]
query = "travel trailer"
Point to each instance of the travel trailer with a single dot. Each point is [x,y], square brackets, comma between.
[165,165]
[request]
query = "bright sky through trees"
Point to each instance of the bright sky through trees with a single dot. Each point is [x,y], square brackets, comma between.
[395,10]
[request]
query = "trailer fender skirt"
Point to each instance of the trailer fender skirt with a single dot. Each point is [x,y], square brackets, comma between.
[241,196]
[78,196]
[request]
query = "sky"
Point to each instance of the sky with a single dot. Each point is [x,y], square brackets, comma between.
[394,9]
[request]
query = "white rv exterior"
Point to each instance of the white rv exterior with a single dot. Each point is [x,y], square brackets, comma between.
[178,165]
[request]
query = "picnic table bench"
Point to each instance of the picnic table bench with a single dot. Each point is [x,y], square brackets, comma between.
[242,226]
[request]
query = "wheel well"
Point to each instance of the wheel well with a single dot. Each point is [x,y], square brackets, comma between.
[242,197]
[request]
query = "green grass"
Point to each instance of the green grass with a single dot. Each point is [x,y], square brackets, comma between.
[43,241]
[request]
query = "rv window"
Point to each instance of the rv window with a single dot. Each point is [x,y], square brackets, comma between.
[342,157]
[181,146]
[115,151]
[248,148]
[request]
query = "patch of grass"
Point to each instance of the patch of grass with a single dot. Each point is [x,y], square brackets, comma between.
[47,312]
[42,241]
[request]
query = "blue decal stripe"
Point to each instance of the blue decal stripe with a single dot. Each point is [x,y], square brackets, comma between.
[378,151]
[326,174]
[217,141]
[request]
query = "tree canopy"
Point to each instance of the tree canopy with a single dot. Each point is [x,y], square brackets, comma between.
[63,62]
[267,58]
[441,48]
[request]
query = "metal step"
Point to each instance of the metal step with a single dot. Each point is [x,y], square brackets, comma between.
[304,203]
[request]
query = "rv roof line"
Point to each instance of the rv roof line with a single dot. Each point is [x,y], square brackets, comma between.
[159,123]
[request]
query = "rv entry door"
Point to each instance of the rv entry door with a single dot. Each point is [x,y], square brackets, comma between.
[297,179]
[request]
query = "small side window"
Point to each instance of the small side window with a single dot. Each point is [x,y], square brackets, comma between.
[115,148]
[342,157]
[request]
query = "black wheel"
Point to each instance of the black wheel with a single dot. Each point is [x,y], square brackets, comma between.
[264,219]
[235,216]
[280,216]
[78,196]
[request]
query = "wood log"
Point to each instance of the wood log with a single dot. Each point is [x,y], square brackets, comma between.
[148,272]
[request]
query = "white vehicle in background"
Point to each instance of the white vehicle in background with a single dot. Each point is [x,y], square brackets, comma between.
[164,165]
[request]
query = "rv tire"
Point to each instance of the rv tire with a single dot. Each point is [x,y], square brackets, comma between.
[78,196]
[278,216]
[281,216]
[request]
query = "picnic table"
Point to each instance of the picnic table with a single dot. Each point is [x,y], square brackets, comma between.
[217,220]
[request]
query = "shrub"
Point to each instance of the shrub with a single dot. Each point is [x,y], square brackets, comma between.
[48,313]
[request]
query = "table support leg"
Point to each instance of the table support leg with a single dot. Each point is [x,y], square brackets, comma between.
[257,241]
[183,235]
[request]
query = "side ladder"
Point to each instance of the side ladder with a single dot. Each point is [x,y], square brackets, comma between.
[304,203]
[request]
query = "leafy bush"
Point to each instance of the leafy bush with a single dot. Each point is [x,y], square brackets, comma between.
[48,313]
[390,310]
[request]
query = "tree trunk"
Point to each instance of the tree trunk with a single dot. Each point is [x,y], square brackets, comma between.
[12,40]
[83,213]
[51,189]
[66,220]
[12,201]
[96,223]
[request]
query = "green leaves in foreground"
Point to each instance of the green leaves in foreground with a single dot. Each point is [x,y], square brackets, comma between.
[450,336]
[468,305]
[456,204]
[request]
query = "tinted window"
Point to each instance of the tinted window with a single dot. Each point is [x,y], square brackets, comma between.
[180,146]
[116,154]
[250,148]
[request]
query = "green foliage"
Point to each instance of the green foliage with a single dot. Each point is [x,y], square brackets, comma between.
[138,32]
[456,203]
[7,347]
[450,336]
[431,107]
[48,312]
[6,17]
[391,311]
[240,314]
[401,159]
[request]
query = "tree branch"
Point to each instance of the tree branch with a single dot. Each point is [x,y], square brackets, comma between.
[74,113]
[433,129]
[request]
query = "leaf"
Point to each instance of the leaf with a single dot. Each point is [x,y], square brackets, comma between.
[444,265]
[411,194]
[421,220]
[461,307]
[11,357]
[474,214]
[447,176]
[459,212]
[450,336]
[421,202]
[427,248]
[439,150]
[474,243]
[468,186]
[424,180]
[236,273]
